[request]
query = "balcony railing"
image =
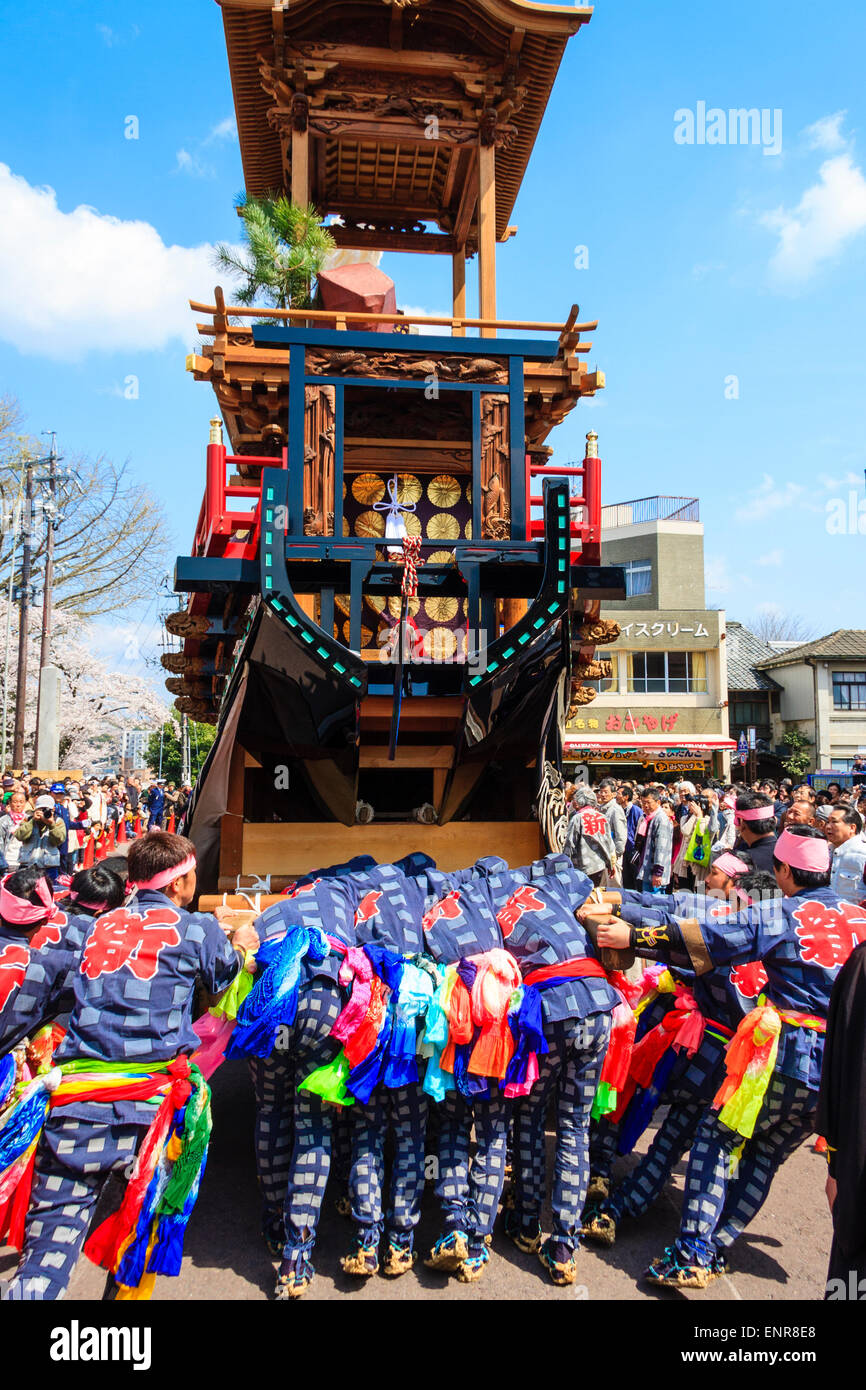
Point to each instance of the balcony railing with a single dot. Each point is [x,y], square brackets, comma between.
[343,320]
[645,509]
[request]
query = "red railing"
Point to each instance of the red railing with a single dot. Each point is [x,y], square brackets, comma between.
[585,506]
[217,528]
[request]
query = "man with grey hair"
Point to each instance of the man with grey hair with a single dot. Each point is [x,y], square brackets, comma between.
[589,844]
[655,869]
[615,817]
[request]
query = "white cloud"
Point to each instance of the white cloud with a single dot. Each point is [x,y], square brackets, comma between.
[826,134]
[83,281]
[836,484]
[828,215]
[226,129]
[767,498]
[190,161]
[191,164]
[112,38]
[128,647]
[772,557]
[716,576]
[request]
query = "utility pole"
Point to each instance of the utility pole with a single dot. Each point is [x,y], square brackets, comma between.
[44,649]
[23,619]
[184,749]
[16,525]
[51,511]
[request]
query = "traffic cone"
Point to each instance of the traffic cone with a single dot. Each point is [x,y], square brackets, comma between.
[171,824]
[87,861]
[121,831]
[111,834]
[136,828]
[101,851]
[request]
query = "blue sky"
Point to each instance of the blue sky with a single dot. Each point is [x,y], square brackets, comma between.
[706,263]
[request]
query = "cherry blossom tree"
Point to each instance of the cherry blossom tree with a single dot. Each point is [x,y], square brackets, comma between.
[96,702]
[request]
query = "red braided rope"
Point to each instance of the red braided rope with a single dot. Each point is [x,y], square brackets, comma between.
[410,561]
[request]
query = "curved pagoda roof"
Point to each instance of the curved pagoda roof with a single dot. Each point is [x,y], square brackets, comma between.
[362,79]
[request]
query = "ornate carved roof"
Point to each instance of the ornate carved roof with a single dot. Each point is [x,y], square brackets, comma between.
[395,95]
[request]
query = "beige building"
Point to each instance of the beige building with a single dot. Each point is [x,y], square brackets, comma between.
[823,694]
[664,712]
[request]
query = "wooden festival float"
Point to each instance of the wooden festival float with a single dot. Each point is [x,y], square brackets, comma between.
[352,719]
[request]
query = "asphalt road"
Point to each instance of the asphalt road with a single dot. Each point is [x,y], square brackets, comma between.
[783,1256]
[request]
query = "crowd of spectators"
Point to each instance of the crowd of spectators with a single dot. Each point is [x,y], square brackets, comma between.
[662,837]
[66,825]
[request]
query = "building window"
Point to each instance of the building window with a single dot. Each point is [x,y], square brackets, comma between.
[748,712]
[613,682]
[667,673]
[842,764]
[638,577]
[849,689]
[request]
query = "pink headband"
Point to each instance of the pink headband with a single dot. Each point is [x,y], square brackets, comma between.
[730,865]
[803,852]
[167,876]
[757,813]
[79,902]
[21,913]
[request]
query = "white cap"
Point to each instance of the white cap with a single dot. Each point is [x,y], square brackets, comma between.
[45,803]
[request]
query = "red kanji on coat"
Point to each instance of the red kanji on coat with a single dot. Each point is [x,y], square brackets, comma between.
[828,935]
[594,822]
[447,907]
[133,939]
[49,933]
[13,966]
[524,900]
[304,888]
[368,907]
[749,980]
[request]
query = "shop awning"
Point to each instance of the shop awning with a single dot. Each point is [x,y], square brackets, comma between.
[657,745]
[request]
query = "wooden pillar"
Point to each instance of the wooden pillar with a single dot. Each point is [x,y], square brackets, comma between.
[513,609]
[487,235]
[458,287]
[301,166]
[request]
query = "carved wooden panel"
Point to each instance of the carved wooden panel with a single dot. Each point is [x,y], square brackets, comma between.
[495,468]
[319,426]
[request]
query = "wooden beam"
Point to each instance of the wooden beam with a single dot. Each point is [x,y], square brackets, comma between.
[379,443]
[468,201]
[407,755]
[361,316]
[408,60]
[427,243]
[389,130]
[295,848]
[458,288]
[487,235]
